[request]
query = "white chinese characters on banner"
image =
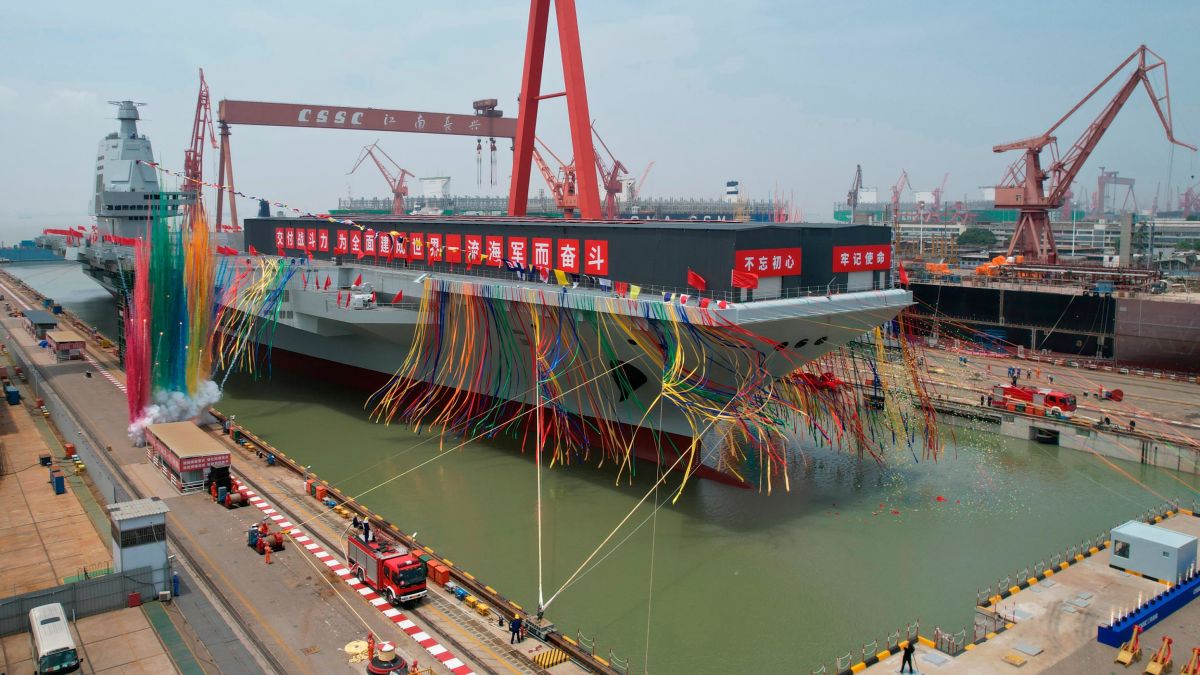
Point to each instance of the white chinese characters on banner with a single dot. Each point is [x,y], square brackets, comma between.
[768,262]
[861,258]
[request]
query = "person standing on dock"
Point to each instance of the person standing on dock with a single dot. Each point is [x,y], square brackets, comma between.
[514,627]
[908,656]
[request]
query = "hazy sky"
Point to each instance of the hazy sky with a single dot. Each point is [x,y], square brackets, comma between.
[787,94]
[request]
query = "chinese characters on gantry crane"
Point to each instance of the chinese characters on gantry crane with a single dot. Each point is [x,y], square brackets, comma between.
[1024,185]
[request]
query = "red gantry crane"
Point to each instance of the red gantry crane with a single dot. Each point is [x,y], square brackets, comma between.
[1024,185]
[395,182]
[202,126]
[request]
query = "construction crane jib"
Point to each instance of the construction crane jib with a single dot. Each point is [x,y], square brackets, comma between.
[1024,186]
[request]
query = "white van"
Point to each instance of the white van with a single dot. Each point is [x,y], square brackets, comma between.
[53,647]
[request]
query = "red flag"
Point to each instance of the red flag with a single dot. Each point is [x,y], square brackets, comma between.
[252,250]
[696,281]
[349,296]
[373,301]
[744,279]
[339,300]
[399,296]
[622,287]
[903,275]
[358,281]
[328,280]
[304,277]
[310,255]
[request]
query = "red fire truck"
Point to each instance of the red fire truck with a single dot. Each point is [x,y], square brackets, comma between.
[1033,400]
[387,567]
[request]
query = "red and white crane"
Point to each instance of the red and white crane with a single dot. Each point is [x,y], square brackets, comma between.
[1024,186]
[396,182]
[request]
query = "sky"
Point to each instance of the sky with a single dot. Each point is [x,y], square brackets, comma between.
[786,97]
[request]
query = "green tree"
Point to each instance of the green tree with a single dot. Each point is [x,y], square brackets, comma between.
[977,237]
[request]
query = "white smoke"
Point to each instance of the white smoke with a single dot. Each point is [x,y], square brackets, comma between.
[175,406]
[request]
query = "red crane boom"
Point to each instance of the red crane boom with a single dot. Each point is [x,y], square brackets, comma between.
[1023,186]
[193,157]
[395,183]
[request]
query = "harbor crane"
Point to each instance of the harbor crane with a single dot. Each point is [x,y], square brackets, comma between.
[202,129]
[396,183]
[855,188]
[563,186]
[611,179]
[897,190]
[636,189]
[937,195]
[1189,201]
[1024,186]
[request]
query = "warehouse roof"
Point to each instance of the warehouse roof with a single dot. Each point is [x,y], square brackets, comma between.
[64,336]
[40,318]
[185,439]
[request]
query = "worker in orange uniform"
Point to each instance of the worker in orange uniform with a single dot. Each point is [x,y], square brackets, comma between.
[263,528]
[267,554]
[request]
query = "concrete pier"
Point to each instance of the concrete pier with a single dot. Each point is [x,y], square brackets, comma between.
[1050,625]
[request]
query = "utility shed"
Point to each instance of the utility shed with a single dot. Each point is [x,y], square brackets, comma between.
[1152,551]
[139,537]
[184,453]
[67,345]
[38,322]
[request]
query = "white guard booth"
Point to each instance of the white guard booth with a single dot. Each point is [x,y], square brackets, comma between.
[139,537]
[1152,551]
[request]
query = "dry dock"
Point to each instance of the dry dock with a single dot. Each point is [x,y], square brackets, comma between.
[294,615]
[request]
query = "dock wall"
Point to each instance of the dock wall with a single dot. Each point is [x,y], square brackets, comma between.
[1106,441]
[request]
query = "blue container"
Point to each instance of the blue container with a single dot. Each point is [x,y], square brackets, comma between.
[221,492]
[12,395]
[46,302]
[59,482]
[57,309]
[252,536]
[270,459]
[175,584]
[460,592]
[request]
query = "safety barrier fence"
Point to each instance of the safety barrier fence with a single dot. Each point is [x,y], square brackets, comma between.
[874,651]
[586,657]
[1007,586]
[80,598]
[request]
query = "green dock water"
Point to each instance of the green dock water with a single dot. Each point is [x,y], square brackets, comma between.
[726,580]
